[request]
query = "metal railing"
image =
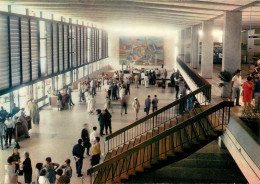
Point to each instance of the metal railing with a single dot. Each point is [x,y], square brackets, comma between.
[153,120]
[158,146]
[164,114]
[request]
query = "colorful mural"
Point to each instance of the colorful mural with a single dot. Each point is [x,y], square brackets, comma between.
[141,50]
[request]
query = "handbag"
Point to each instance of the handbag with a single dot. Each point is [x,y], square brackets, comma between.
[144,109]
[19,172]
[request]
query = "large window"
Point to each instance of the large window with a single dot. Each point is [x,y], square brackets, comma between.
[43,44]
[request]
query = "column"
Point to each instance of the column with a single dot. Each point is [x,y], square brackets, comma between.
[232,41]
[207,49]
[187,45]
[181,42]
[195,46]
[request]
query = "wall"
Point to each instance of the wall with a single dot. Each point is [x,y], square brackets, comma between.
[113,51]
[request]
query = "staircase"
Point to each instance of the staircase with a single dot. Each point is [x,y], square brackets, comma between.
[164,144]
[164,136]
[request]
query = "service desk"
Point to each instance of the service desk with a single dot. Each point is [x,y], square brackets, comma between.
[54,102]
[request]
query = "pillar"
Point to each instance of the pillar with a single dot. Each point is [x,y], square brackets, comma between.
[181,42]
[187,45]
[207,49]
[232,41]
[195,46]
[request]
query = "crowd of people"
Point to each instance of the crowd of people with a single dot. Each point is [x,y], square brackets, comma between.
[17,120]
[117,89]
[249,89]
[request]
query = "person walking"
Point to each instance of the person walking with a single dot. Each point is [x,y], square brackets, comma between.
[155,103]
[147,104]
[136,81]
[114,92]
[95,152]
[136,107]
[70,97]
[91,104]
[27,168]
[107,104]
[35,113]
[177,88]
[101,120]
[165,73]
[67,170]
[236,87]
[85,138]
[78,152]
[93,135]
[128,82]
[59,101]
[3,113]
[2,132]
[248,88]
[108,122]
[9,131]
[51,168]
[146,81]
[93,87]
[172,80]
[123,104]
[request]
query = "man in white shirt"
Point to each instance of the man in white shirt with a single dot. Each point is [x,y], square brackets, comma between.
[10,125]
[93,135]
[236,86]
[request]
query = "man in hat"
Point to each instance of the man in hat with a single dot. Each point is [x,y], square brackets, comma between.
[136,107]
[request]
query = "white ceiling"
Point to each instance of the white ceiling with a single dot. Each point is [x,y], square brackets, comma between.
[177,13]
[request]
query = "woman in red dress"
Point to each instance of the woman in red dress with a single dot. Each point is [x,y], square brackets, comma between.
[248,88]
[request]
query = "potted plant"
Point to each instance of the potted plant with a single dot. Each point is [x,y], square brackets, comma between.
[226,78]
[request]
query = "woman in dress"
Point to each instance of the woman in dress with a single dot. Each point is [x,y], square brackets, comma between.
[50,168]
[27,168]
[248,88]
[91,104]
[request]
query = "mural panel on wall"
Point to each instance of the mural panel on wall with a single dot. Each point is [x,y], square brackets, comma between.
[141,51]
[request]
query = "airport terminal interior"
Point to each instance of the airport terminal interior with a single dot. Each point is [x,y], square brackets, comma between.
[129,91]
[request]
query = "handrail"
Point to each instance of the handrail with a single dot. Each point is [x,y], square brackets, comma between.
[164,134]
[200,81]
[205,89]
[159,111]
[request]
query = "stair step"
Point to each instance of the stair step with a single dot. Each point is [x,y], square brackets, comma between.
[139,168]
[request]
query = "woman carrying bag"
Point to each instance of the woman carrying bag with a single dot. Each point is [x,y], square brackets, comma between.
[27,168]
